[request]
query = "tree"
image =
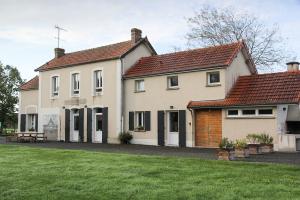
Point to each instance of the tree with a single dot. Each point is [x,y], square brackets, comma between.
[10,81]
[211,27]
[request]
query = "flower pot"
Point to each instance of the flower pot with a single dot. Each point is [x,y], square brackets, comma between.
[241,152]
[254,149]
[266,148]
[225,154]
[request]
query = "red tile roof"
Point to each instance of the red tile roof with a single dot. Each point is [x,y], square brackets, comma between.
[90,55]
[217,56]
[32,84]
[262,89]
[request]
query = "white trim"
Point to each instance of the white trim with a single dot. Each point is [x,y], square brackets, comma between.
[71,84]
[144,141]
[169,82]
[93,92]
[208,78]
[51,86]
[40,125]
[256,115]
[19,112]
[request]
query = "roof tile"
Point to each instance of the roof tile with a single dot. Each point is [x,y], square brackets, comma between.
[32,84]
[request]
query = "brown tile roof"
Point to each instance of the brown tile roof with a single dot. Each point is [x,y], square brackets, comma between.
[90,55]
[32,84]
[218,56]
[262,89]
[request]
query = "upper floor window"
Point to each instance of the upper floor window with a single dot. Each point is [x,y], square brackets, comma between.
[172,82]
[139,86]
[75,84]
[213,78]
[98,82]
[55,86]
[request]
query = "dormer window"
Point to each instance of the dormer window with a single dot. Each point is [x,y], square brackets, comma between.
[98,86]
[75,84]
[55,86]
[213,78]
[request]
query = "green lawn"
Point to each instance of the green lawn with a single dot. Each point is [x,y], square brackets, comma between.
[37,173]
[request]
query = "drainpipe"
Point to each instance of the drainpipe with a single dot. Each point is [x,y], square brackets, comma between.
[192,125]
[122,96]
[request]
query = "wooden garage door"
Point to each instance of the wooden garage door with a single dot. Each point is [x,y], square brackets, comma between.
[208,129]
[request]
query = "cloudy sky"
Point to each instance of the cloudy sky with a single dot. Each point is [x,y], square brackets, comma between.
[27,27]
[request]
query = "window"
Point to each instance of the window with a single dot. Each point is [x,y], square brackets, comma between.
[31,122]
[75,84]
[139,123]
[98,82]
[55,86]
[76,122]
[248,112]
[265,111]
[213,78]
[173,82]
[233,112]
[139,86]
[99,122]
[173,122]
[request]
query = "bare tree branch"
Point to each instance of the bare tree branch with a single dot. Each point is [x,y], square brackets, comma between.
[211,27]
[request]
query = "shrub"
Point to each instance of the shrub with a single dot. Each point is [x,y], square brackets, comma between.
[226,144]
[265,139]
[125,137]
[253,138]
[240,144]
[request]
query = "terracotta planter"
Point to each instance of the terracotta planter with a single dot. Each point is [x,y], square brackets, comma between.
[225,154]
[241,153]
[254,149]
[266,148]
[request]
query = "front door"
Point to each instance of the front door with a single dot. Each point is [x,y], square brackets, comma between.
[98,127]
[75,127]
[173,128]
[208,127]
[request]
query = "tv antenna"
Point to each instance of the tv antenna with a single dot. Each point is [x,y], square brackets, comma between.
[58,34]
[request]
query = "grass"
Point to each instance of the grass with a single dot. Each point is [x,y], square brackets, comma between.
[39,173]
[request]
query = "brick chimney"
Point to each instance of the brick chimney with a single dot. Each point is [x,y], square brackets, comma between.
[59,52]
[292,66]
[136,35]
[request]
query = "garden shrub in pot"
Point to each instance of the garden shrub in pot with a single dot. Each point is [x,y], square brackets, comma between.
[241,148]
[225,151]
[125,137]
[253,143]
[266,143]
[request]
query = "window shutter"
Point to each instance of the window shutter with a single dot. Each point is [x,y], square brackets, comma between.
[81,124]
[105,125]
[147,120]
[23,123]
[67,125]
[161,127]
[36,123]
[182,128]
[89,124]
[131,121]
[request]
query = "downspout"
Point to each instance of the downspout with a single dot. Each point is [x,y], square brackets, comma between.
[192,125]
[122,96]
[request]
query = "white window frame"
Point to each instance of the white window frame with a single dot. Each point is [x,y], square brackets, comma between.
[136,121]
[94,92]
[52,86]
[72,84]
[208,78]
[256,115]
[169,82]
[137,88]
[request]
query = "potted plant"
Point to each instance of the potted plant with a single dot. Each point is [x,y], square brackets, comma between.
[266,143]
[31,130]
[125,137]
[253,143]
[225,151]
[140,128]
[241,148]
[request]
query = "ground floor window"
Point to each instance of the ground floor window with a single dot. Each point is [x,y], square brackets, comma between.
[139,121]
[31,122]
[173,122]
[250,112]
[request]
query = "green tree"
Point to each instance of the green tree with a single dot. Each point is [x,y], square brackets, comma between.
[10,81]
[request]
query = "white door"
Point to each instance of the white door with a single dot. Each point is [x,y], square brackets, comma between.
[98,128]
[172,136]
[75,128]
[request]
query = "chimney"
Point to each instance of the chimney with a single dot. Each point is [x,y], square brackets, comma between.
[292,66]
[59,52]
[136,35]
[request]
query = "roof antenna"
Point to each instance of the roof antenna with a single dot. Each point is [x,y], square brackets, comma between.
[58,33]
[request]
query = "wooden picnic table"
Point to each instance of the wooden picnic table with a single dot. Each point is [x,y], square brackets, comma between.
[31,137]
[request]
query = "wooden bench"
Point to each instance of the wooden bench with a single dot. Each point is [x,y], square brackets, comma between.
[31,137]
